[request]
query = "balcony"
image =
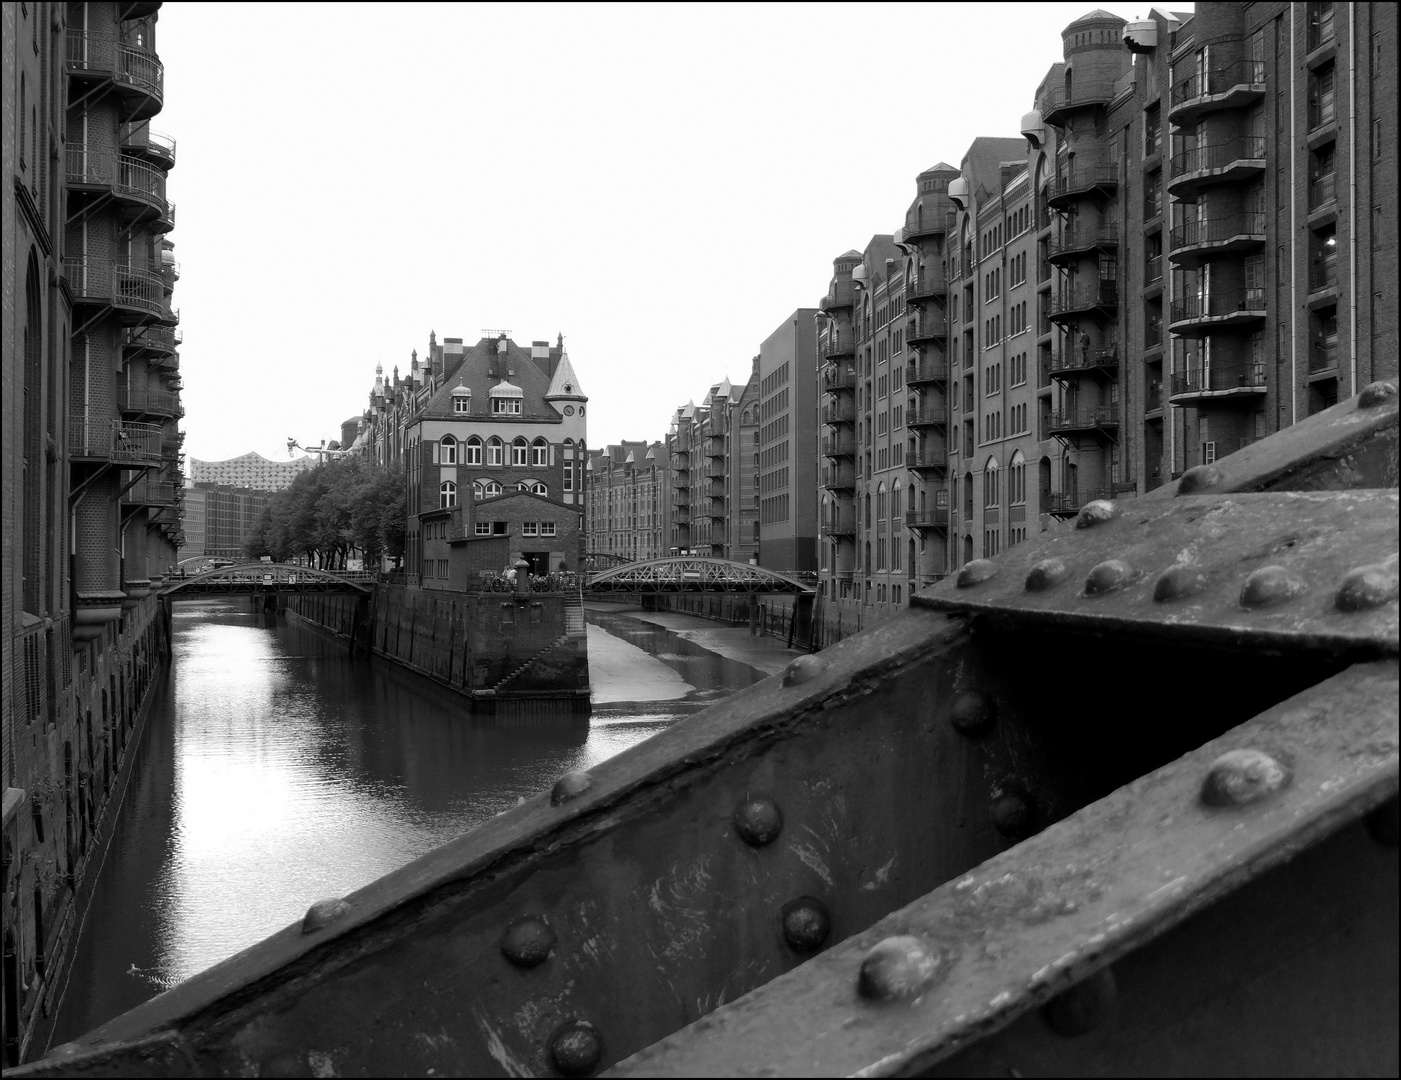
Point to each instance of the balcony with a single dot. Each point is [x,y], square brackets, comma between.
[1227,162]
[834,379]
[1069,503]
[936,517]
[1095,419]
[1197,315]
[1075,242]
[1322,192]
[1086,180]
[927,326]
[926,371]
[149,402]
[141,187]
[927,459]
[1194,242]
[1072,362]
[715,446]
[715,470]
[839,478]
[841,297]
[840,525]
[839,446]
[138,140]
[150,493]
[839,412]
[929,220]
[1099,296]
[136,74]
[835,345]
[107,440]
[1061,103]
[136,292]
[1229,86]
[681,479]
[680,514]
[1197,384]
[1153,397]
[927,285]
[927,416]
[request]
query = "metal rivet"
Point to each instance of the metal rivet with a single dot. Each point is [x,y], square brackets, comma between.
[1094,513]
[527,942]
[1044,574]
[576,1048]
[1012,814]
[1268,585]
[323,913]
[973,713]
[1377,393]
[1367,587]
[1241,777]
[758,820]
[1084,1006]
[1384,824]
[1179,582]
[898,967]
[976,572]
[806,923]
[802,669]
[1107,576]
[570,786]
[1198,478]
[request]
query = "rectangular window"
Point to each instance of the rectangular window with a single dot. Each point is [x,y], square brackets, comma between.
[482,528]
[547,528]
[530,528]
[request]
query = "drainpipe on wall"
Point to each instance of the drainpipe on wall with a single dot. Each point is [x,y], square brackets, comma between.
[1293,241]
[1352,190]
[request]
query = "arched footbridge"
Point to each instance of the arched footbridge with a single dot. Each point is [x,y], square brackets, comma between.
[691,574]
[261,578]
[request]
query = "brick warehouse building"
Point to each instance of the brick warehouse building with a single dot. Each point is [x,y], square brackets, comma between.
[475,423]
[90,500]
[1192,246]
[628,500]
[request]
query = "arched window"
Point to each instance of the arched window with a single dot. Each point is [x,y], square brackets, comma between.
[520,451]
[533,486]
[539,452]
[491,489]
[447,494]
[478,492]
[896,508]
[472,451]
[448,454]
[495,451]
[1016,483]
[990,478]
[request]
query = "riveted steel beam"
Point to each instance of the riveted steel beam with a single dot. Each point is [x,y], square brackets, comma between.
[1288,571]
[1052,914]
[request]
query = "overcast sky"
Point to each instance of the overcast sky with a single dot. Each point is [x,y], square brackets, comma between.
[663,185]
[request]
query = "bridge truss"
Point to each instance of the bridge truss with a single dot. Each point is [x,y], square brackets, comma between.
[261,578]
[690,574]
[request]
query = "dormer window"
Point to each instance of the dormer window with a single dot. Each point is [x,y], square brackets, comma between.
[503,406]
[461,404]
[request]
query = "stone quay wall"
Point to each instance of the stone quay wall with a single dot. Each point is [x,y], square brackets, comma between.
[778,616]
[488,646]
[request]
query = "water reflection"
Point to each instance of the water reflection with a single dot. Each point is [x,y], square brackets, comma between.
[275,772]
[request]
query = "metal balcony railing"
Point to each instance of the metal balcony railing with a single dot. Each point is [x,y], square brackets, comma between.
[1090,238]
[926,326]
[160,402]
[1323,272]
[926,416]
[1103,293]
[1089,418]
[1217,378]
[1323,358]
[839,379]
[1083,179]
[839,446]
[839,412]
[839,478]
[82,168]
[1234,229]
[139,180]
[1232,304]
[1242,75]
[118,284]
[108,440]
[140,139]
[1074,359]
[150,493]
[926,371]
[127,65]
[841,525]
[1070,502]
[927,457]
[1219,157]
[1322,191]
[930,219]
[841,296]
[928,284]
[935,517]
[1059,100]
[838,345]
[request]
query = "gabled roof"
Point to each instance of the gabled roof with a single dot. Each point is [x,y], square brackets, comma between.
[482,369]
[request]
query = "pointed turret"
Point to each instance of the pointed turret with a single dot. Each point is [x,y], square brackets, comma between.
[564,386]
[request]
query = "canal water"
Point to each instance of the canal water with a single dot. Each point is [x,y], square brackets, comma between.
[274,772]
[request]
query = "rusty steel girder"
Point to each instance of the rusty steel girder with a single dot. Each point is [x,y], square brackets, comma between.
[1124,801]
